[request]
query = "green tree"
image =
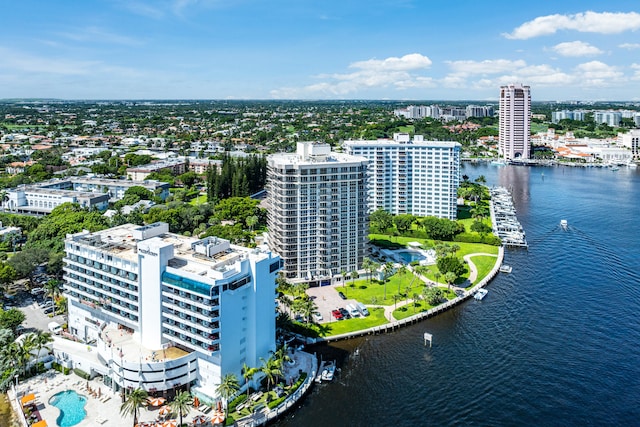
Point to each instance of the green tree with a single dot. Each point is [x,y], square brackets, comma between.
[271,370]
[182,404]
[133,402]
[403,223]
[11,319]
[228,387]
[248,373]
[451,264]
[450,277]
[382,219]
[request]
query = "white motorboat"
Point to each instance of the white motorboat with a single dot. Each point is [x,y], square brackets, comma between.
[329,371]
[564,224]
[481,293]
[505,268]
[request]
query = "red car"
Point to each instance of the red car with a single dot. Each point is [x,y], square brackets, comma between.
[337,314]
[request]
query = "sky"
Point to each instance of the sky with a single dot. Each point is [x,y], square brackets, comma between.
[325,49]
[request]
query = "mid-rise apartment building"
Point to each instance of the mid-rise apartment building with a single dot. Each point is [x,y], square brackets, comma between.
[167,311]
[41,198]
[514,140]
[318,216]
[411,176]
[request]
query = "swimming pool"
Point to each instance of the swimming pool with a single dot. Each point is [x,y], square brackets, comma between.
[410,256]
[71,406]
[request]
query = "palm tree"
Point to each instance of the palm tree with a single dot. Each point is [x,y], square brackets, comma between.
[366,265]
[131,406]
[53,288]
[271,370]
[227,388]
[354,275]
[251,221]
[450,277]
[182,404]
[396,298]
[388,269]
[416,297]
[42,339]
[247,374]
[343,273]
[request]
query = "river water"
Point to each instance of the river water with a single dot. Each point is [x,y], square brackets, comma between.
[554,343]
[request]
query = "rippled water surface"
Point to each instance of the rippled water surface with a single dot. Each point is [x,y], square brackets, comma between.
[556,342]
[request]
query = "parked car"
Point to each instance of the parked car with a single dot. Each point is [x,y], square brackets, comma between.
[46,303]
[50,310]
[343,296]
[317,316]
[37,291]
[344,313]
[337,314]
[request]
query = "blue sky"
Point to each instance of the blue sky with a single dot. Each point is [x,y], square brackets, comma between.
[324,49]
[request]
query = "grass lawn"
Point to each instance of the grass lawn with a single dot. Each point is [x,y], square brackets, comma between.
[419,306]
[198,200]
[465,248]
[484,264]
[407,129]
[375,318]
[364,291]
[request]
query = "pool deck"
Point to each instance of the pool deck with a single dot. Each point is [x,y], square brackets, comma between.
[101,411]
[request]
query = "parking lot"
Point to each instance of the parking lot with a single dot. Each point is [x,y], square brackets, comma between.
[30,305]
[327,299]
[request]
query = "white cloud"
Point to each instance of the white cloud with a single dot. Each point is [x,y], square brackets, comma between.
[412,61]
[399,73]
[25,63]
[576,48]
[629,46]
[596,73]
[95,34]
[636,74]
[587,22]
[489,66]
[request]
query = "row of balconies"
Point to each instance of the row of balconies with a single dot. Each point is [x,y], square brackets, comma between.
[91,290]
[104,267]
[192,308]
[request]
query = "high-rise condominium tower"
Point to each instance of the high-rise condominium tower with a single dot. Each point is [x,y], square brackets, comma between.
[318,215]
[515,122]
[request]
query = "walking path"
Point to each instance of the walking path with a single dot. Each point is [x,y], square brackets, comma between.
[473,275]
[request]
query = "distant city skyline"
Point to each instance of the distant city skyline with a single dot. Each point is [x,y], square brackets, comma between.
[379,49]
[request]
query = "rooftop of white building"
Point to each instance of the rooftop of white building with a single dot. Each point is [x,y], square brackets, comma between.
[212,257]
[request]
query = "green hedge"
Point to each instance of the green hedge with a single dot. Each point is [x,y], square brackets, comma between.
[488,239]
[82,374]
[297,385]
[238,400]
[58,367]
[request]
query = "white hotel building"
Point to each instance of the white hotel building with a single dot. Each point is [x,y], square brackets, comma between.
[318,215]
[411,176]
[165,311]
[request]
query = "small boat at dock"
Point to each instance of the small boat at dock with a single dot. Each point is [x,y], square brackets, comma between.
[505,268]
[328,371]
[481,293]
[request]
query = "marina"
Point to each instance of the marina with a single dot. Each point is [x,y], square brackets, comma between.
[505,222]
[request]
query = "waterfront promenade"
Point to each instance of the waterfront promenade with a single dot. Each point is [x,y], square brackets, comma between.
[395,324]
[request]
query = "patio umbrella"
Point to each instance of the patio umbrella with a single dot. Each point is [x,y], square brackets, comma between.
[164,410]
[196,402]
[170,423]
[156,401]
[217,417]
[200,419]
[28,399]
[41,423]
